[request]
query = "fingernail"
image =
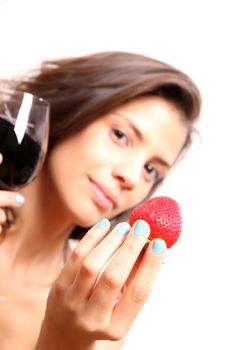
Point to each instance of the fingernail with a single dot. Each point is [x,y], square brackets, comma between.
[141,228]
[124,228]
[103,223]
[19,199]
[158,246]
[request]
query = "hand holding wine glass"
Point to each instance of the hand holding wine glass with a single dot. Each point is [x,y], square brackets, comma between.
[24,126]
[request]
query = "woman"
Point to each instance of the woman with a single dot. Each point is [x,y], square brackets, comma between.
[119,123]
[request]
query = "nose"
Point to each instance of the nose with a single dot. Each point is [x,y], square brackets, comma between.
[128,173]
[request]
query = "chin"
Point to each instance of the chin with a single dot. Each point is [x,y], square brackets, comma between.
[86,217]
[85,212]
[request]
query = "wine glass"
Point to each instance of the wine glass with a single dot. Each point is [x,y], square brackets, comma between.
[24,128]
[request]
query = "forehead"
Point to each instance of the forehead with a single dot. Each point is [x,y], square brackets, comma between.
[152,107]
[161,123]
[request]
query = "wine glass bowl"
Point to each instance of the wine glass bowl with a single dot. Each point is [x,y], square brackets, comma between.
[24,128]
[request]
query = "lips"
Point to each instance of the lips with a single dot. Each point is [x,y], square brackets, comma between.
[102,196]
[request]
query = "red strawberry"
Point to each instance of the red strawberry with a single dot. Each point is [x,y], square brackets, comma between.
[164,217]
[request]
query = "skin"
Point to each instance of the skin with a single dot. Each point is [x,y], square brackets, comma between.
[80,184]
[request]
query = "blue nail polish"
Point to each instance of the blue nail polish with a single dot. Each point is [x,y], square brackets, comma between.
[124,228]
[141,228]
[103,223]
[19,199]
[158,246]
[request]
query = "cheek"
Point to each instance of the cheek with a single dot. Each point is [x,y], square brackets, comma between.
[59,163]
[70,155]
[137,196]
[64,170]
[143,194]
[58,172]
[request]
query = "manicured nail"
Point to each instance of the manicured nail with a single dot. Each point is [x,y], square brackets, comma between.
[19,199]
[124,228]
[103,223]
[158,246]
[141,228]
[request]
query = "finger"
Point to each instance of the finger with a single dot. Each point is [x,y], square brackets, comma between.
[140,286]
[96,261]
[118,270]
[1,158]
[84,247]
[10,199]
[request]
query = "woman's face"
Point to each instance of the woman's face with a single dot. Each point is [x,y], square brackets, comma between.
[112,164]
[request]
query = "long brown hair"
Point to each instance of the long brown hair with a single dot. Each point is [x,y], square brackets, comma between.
[81,89]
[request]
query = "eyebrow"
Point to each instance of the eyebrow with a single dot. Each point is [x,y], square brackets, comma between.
[141,138]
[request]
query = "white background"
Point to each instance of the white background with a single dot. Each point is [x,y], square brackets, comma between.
[191,305]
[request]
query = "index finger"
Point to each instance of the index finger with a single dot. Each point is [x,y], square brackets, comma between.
[10,199]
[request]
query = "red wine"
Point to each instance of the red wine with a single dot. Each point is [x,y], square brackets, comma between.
[20,160]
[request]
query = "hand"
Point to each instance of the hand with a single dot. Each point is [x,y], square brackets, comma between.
[8,199]
[102,287]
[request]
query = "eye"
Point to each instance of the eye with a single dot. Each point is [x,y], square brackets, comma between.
[152,171]
[120,136]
